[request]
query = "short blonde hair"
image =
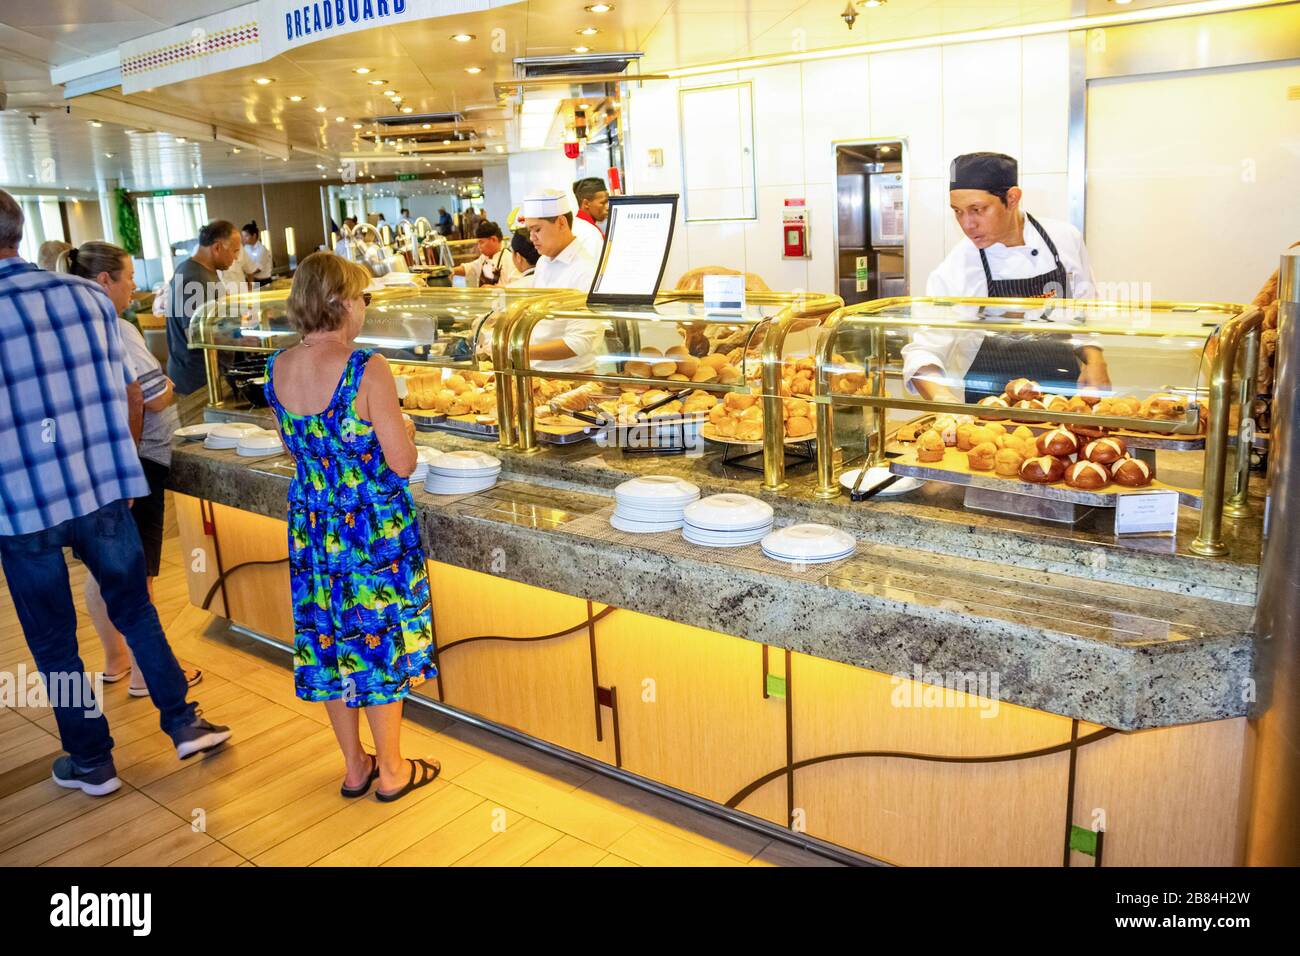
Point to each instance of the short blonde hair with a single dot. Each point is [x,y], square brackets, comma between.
[322,288]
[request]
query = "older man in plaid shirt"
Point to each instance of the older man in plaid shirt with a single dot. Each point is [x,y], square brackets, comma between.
[68,471]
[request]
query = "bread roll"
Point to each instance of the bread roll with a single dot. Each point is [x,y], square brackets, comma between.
[1022,389]
[705,373]
[1087,475]
[739,400]
[729,375]
[982,456]
[714,361]
[1007,461]
[663,369]
[797,426]
[749,431]
[1042,470]
[1058,442]
[930,447]
[1105,451]
[1132,473]
[638,369]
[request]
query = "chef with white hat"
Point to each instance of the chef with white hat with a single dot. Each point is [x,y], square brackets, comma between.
[559,345]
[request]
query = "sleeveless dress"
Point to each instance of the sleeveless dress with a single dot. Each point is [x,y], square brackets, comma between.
[362,625]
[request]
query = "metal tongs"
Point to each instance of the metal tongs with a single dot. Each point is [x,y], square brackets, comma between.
[556,405]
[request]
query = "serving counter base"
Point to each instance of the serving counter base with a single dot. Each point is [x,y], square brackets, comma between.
[910,706]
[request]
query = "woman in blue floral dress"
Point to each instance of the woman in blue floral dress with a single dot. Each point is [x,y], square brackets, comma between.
[362,624]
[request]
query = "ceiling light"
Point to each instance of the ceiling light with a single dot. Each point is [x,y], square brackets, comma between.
[390,92]
[427,126]
[473,70]
[263,81]
[870,4]
[408,109]
[320,109]
[599,8]
[108,155]
[236,150]
[339,119]
[363,70]
[356,126]
[588,32]
[501,149]
[1123,2]
[180,139]
[376,82]
[462,37]
[295,99]
[582,49]
[96,123]
[319,166]
[446,142]
[584,106]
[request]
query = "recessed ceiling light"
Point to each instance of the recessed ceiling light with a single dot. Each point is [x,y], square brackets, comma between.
[236,150]
[390,92]
[356,126]
[473,70]
[462,37]
[376,82]
[339,119]
[582,49]
[408,109]
[501,149]
[426,126]
[108,155]
[599,8]
[295,99]
[263,81]
[446,142]
[96,123]
[584,106]
[320,109]
[180,139]
[363,70]
[1123,2]
[588,32]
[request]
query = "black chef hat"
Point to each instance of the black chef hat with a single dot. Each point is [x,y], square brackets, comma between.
[987,171]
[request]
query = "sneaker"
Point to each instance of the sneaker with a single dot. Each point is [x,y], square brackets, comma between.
[98,782]
[198,737]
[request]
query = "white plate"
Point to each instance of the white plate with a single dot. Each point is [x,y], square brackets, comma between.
[657,487]
[876,475]
[809,541]
[194,432]
[441,486]
[729,511]
[711,543]
[647,514]
[259,452]
[234,430]
[643,527]
[463,461]
[703,533]
[764,526]
[220,444]
[426,454]
[463,473]
[789,560]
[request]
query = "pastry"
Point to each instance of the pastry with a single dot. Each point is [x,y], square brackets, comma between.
[1031,403]
[1089,396]
[994,402]
[459,407]
[1057,442]
[727,427]
[946,426]
[676,377]
[1042,470]
[982,456]
[797,426]
[730,375]
[964,442]
[1126,406]
[1163,406]
[636,368]
[1087,475]
[798,408]
[1104,451]
[705,373]
[930,447]
[663,369]
[995,429]
[1056,403]
[714,361]
[752,414]
[1078,406]
[749,431]
[1007,461]
[1132,472]
[1022,389]
[740,400]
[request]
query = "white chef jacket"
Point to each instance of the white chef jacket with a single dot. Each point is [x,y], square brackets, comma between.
[573,268]
[255,260]
[503,264]
[522,280]
[962,274]
[592,239]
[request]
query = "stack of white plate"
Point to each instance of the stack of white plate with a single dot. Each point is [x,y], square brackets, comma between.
[194,432]
[809,544]
[727,521]
[260,443]
[228,434]
[652,503]
[461,473]
[424,455]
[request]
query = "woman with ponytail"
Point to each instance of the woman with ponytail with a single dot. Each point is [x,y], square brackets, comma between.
[255,257]
[110,267]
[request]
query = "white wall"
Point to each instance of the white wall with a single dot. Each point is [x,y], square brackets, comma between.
[1006,95]
[537,169]
[497,201]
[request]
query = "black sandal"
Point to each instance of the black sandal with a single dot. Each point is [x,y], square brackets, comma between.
[361,791]
[418,765]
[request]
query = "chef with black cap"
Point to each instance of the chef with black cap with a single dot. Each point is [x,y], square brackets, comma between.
[1006,253]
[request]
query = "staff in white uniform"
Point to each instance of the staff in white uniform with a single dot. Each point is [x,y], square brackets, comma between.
[1006,253]
[494,265]
[560,345]
[525,256]
[254,258]
[593,210]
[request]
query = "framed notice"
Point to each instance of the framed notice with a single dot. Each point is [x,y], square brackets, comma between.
[637,239]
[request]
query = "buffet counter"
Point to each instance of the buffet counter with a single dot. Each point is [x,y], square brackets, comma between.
[966,689]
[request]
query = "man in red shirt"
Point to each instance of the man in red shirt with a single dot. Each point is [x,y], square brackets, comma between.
[592,196]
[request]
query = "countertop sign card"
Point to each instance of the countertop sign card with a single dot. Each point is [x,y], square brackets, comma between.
[724,293]
[635,254]
[1155,512]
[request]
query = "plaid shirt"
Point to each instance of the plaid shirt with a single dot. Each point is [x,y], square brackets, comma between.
[65,438]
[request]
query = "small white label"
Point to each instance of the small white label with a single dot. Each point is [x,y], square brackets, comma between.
[1154,512]
[724,292]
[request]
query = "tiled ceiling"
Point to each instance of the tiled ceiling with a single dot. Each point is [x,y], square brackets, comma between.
[419,60]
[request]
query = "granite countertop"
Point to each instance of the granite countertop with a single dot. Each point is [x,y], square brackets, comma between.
[1063,630]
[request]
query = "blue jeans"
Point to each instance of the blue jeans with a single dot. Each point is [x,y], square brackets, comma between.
[108,543]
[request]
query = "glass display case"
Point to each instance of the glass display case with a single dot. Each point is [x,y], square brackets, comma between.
[429,335]
[1155,375]
[621,366]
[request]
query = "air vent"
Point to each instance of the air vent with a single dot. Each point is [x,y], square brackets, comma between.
[595,64]
[406,119]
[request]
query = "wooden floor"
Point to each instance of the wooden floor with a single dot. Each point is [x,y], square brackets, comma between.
[270,796]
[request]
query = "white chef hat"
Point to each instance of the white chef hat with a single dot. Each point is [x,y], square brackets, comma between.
[546,204]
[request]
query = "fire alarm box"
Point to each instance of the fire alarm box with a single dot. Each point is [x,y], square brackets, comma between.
[794,231]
